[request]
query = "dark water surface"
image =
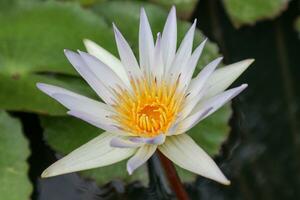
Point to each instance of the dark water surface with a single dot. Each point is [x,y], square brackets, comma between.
[262,155]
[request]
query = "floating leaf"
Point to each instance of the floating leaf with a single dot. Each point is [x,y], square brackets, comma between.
[14,152]
[85,2]
[184,8]
[32,40]
[251,11]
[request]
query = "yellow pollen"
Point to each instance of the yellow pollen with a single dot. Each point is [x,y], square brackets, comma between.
[150,108]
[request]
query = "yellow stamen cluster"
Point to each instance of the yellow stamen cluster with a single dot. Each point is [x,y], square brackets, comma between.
[150,108]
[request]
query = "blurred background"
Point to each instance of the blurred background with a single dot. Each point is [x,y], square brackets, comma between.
[255,140]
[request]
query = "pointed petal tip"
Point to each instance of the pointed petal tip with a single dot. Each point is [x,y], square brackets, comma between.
[202,164]
[67,51]
[116,30]
[243,86]
[204,41]
[246,63]
[143,10]
[114,27]
[172,11]
[45,88]
[250,60]
[39,85]
[42,87]
[48,173]
[129,169]
[195,22]
[87,41]
[44,174]
[227,182]
[222,179]
[219,59]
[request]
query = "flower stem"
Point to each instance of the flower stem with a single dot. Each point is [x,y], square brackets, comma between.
[173,178]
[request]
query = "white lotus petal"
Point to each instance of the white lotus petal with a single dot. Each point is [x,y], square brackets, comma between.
[211,105]
[124,143]
[102,71]
[191,121]
[187,72]
[223,77]
[173,129]
[107,58]
[77,62]
[199,81]
[127,57]
[140,157]
[157,68]
[184,152]
[96,153]
[169,38]
[74,101]
[190,104]
[146,43]
[103,122]
[184,52]
[196,90]
[154,140]
[88,106]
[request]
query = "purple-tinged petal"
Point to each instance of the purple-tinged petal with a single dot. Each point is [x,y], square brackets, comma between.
[140,157]
[124,143]
[95,153]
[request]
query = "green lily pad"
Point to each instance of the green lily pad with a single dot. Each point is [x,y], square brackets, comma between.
[184,8]
[8,5]
[32,40]
[84,3]
[14,152]
[251,11]
[65,134]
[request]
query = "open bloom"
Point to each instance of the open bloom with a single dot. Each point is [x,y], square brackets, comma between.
[147,105]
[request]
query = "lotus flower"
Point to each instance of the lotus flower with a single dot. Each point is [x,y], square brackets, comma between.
[147,105]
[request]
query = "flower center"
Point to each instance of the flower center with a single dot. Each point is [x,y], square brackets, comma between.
[152,118]
[150,109]
[153,112]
